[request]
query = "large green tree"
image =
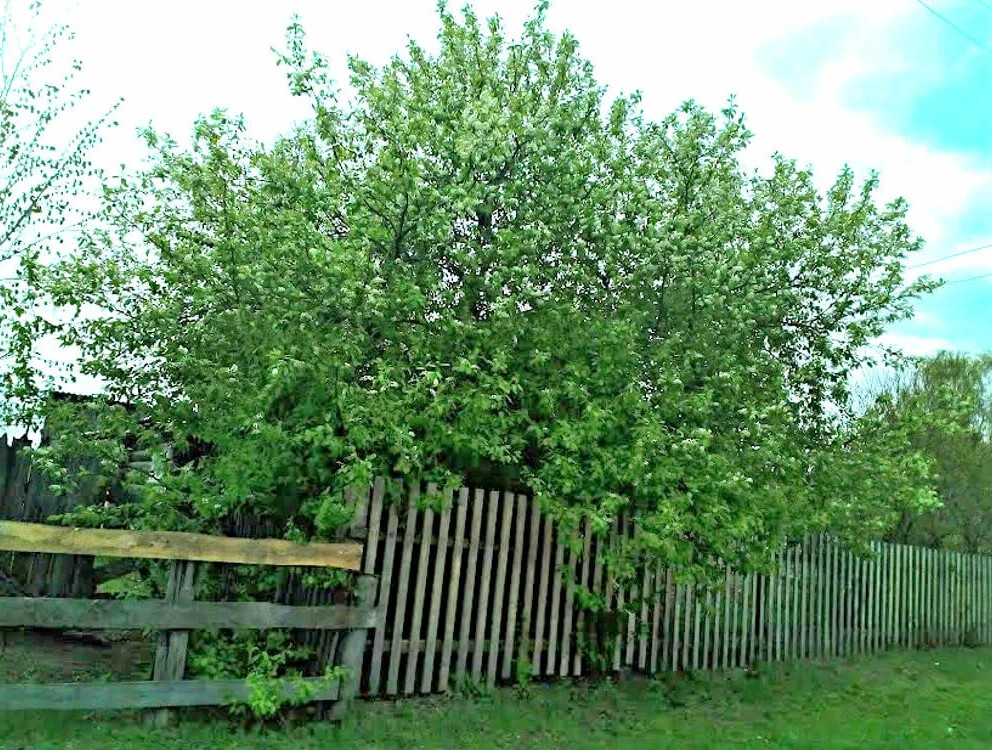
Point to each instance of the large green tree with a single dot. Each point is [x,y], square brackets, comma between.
[478,267]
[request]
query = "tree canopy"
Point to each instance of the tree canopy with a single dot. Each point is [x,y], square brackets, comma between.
[478,267]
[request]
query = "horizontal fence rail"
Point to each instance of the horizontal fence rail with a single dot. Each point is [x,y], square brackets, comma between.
[175,545]
[138,615]
[92,696]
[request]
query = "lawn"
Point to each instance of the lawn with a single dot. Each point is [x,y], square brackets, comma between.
[899,700]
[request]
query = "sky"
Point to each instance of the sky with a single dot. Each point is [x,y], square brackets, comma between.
[883,85]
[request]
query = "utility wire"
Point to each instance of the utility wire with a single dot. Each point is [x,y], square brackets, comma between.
[948,257]
[970,278]
[974,40]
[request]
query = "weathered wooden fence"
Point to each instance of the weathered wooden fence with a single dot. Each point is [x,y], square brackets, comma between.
[486,589]
[179,613]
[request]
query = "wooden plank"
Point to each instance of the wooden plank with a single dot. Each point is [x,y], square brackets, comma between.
[676,628]
[584,582]
[644,632]
[746,594]
[403,592]
[779,591]
[735,590]
[468,592]
[696,627]
[514,594]
[96,696]
[16,536]
[112,614]
[554,624]
[690,602]
[597,591]
[870,599]
[717,624]
[501,569]
[567,612]
[727,622]
[352,647]
[437,592]
[666,628]
[835,586]
[804,597]
[524,661]
[844,613]
[708,653]
[618,595]
[382,603]
[375,521]
[454,582]
[170,653]
[542,596]
[656,617]
[482,616]
[761,639]
[419,594]
[821,596]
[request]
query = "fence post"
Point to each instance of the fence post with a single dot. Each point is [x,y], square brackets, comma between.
[170,655]
[353,647]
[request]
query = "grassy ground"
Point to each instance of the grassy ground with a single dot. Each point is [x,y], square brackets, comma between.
[927,700]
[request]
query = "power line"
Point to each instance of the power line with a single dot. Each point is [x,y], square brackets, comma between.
[974,40]
[970,278]
[948,257]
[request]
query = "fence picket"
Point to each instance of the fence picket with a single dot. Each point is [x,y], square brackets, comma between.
[666,629]
[698,608]
[419,595]
[514,594]
[403,586]
[580,628]
[656,617]
[542,598]
[554,622]
[642,627]
[482,614]
[385,580]
[454,581]
[468,591]
[434,615]
[708,661]
[567,612]
[502,562]
[524,659]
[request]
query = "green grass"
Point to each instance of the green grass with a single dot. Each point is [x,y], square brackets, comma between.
[926,699]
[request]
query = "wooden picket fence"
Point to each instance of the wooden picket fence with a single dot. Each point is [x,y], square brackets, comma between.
[485,590]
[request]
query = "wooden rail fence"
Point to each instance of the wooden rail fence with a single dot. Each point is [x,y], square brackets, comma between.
[485,588]
[179,613]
